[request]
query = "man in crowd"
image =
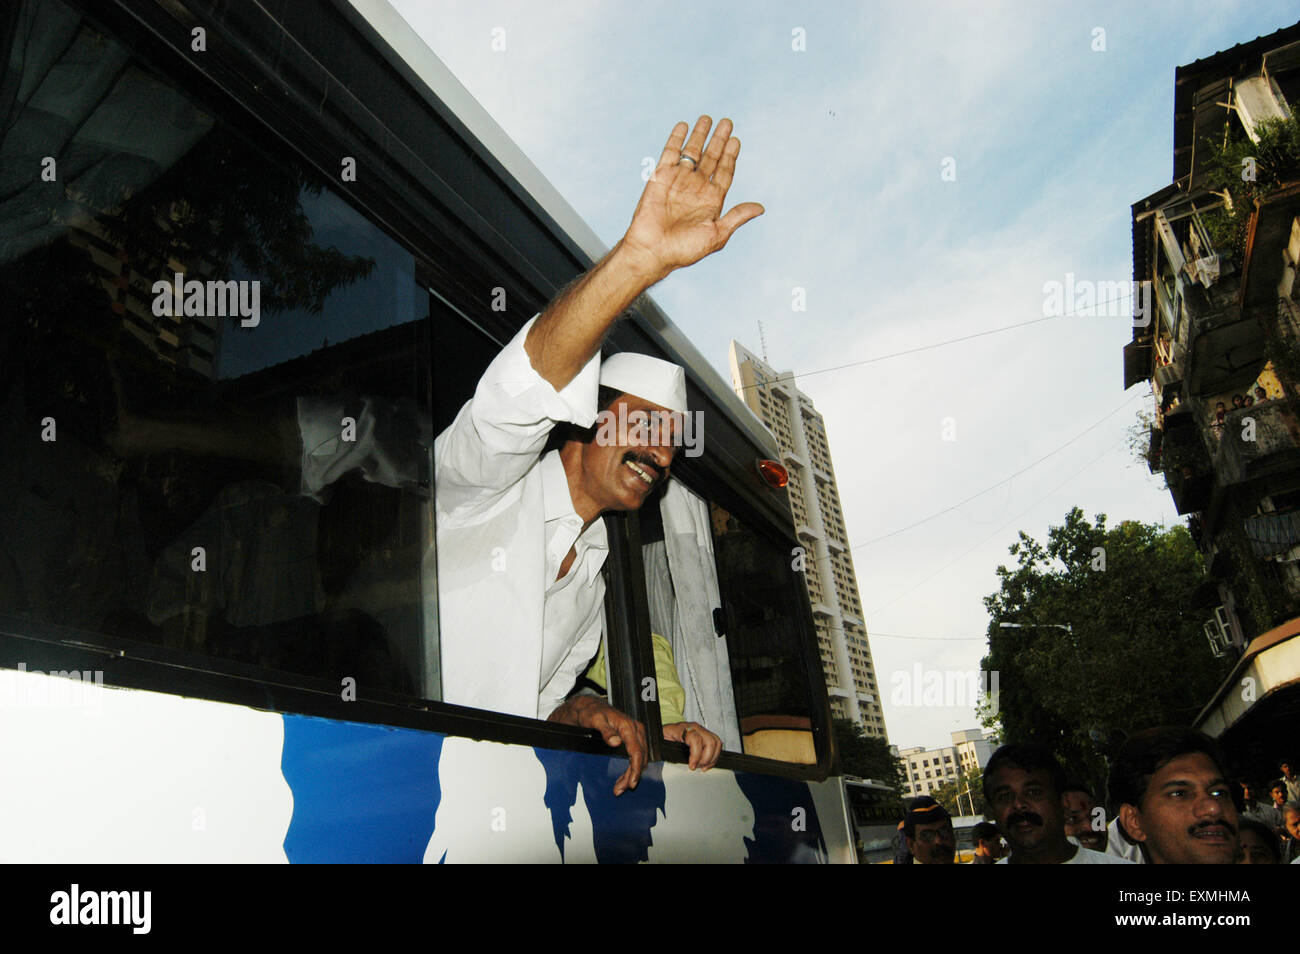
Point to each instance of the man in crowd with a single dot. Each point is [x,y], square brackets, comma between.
[1174,798]
[1277,793]
[928,829]
[1291,780]
[1270,815]
[1083,821]
[1256,844]
[517,630]
[1023,789]
[987,842]
[1291,832]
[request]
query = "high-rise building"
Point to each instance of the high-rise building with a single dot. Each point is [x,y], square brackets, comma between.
[819,523]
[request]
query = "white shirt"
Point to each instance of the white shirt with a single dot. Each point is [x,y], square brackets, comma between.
[1085,856]
[513,638]
[1117,846]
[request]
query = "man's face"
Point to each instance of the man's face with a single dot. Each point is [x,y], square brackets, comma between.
[1247,794]
[1286,769]
[1291,818]
[933,843]
[631,456]
[1278,794]
[1079,809]
[1026,807]
[1187,815]
[993,847]
[1252,849]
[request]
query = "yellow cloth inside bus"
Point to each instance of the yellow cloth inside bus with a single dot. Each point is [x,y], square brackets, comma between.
[672,697]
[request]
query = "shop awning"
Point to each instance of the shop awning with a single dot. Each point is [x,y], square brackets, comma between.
[1270,664]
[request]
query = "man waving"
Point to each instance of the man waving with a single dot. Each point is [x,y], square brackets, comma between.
[520,542]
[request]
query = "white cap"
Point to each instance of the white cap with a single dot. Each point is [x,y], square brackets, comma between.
[652,379]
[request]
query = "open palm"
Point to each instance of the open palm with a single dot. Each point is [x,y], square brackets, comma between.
[679,218]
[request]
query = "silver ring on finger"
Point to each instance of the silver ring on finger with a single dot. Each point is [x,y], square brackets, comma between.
[685,158]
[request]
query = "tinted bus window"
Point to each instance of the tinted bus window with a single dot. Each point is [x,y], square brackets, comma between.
[203,348]
[725,594]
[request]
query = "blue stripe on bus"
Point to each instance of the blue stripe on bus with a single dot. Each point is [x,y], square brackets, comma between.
[361,793]
[786,827]
[620,826]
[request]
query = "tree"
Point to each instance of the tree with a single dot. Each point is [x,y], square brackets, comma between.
[963,795]
[864,755]
[1136,656]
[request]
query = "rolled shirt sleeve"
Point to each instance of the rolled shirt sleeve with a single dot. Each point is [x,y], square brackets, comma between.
[499,434]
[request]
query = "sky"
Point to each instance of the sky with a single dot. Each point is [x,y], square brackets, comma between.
[927,169]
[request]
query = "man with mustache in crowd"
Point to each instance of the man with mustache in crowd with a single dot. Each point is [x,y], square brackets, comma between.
[1024,789]
[928,829]
[1083,822]
[519,530]
[1174,798]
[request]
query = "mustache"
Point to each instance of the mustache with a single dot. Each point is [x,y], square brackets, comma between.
[1226,826]
[1032,817]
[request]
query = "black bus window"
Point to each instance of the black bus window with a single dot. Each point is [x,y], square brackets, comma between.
[216,376]
[723,596]
[759,616]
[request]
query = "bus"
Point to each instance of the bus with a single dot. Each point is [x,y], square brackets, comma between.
[216,216]
[874,813]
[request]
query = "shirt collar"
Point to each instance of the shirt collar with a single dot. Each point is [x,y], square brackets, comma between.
[556,500]
[557,504]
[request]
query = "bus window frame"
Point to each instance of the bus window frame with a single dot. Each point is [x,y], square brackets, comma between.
[244,93]
[714,490]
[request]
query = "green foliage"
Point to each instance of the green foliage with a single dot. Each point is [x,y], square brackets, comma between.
[865,755]
[1137,656]
[958,795]
[1276,162]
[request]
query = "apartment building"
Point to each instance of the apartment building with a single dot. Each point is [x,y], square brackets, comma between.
[1216,253]
[924,770]
[819,523]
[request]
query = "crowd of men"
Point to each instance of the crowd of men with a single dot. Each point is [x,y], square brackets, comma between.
[1169,797]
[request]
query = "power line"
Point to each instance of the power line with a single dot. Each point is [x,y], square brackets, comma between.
[937,344]
[1028,467]
[940,639]
[999,529]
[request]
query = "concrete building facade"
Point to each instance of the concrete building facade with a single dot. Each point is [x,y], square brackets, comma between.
[927,769]
[819,523]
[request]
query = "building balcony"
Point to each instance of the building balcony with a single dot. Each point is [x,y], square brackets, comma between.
[1256,441]
[1186,464]
[805,532]
[1225,349]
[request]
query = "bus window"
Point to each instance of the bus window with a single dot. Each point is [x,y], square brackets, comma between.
[726,595]
[191,323]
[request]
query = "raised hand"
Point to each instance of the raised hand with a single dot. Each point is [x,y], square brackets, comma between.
[679,219]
